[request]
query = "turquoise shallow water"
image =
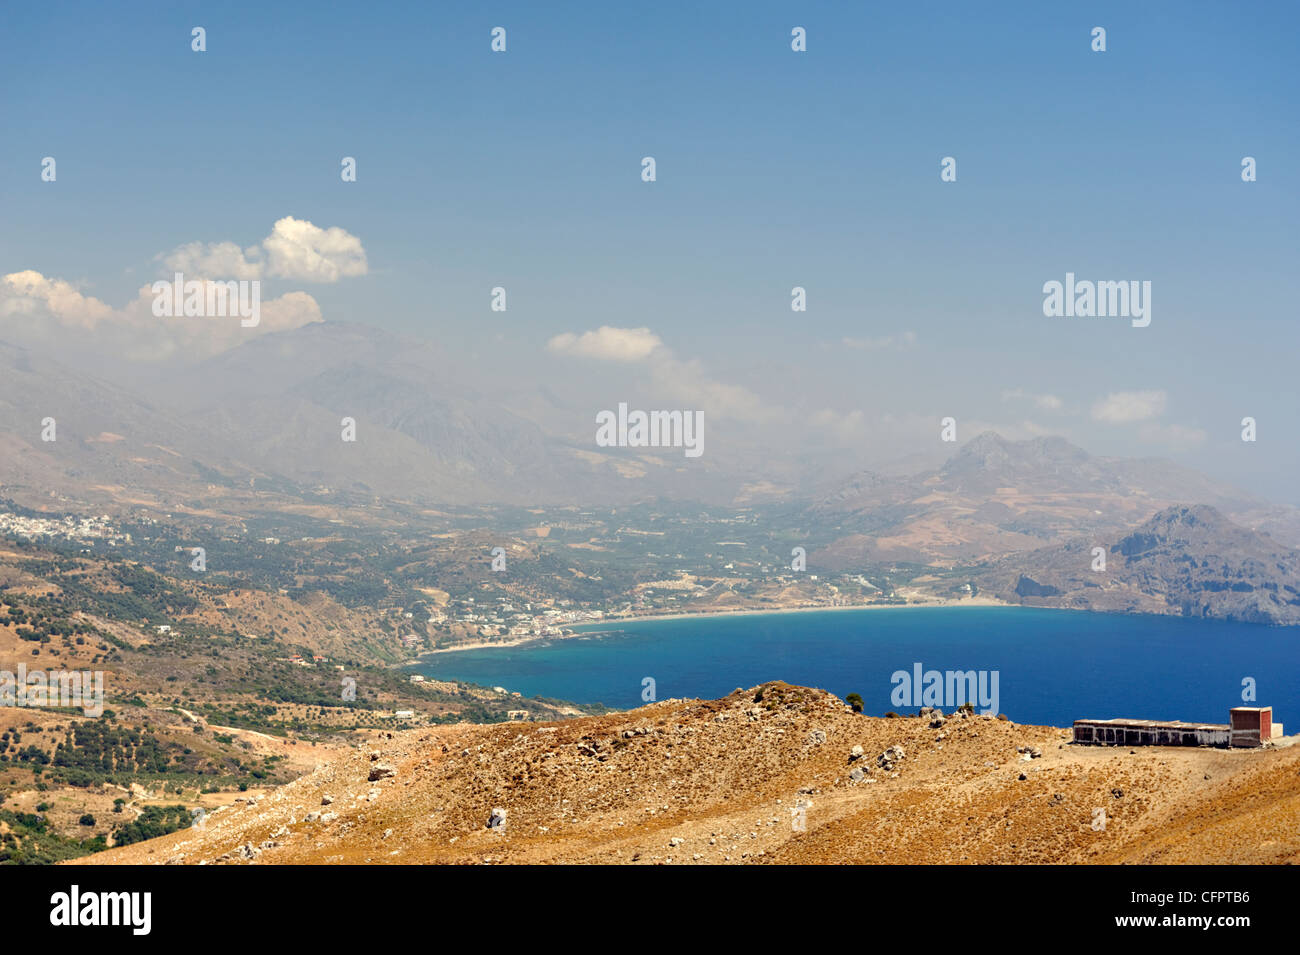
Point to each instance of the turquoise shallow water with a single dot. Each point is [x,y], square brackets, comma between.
[1052,666]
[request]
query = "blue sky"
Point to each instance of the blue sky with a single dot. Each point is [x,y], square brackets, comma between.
[775,169]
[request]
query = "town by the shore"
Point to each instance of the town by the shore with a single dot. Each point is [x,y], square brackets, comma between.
[612,623]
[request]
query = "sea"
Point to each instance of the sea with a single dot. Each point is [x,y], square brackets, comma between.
[1047,667]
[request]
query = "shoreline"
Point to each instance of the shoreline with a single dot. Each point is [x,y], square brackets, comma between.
[613,623]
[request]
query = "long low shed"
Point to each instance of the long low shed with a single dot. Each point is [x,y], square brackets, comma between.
[1248,726]
[1126,732]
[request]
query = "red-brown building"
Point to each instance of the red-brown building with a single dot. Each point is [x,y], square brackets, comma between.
[1251,725]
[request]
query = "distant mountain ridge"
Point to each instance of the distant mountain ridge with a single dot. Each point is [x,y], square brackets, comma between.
[996,497]
[269,413]
[259,427]
[1188,561]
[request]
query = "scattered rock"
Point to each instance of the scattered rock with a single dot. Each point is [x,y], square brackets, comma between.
[889,757]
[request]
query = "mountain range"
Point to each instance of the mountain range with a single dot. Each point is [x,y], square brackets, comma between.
[262,427]
[995,497]
[1188,561]
[269,415]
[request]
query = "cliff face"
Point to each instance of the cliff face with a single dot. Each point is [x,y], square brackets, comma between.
[771,774]
[1191,561]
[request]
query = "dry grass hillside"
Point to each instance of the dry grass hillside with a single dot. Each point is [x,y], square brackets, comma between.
[691,781]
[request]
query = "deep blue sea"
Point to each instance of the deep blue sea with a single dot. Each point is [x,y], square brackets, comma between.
[1053,666]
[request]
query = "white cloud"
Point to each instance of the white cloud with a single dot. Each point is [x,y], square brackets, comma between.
[669,375]
[688,381]
[847,426]
[1173,437]
[295,249]
[902,340]
[608,343]
[30,294]
[1125,407]
[224,260]
[40,310]
[43,311]
[1045,401]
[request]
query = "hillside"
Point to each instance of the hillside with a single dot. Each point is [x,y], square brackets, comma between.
[996,497]
[204,689]
[692,781]
[266,417]
[1189,561]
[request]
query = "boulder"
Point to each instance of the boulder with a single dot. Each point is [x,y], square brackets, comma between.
[889,757]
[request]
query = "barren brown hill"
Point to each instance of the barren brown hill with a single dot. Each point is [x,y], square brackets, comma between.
[691,781]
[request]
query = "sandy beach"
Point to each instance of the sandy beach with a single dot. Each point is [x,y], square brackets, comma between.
[612,623]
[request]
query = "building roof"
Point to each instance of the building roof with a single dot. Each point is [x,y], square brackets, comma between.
[1155,724]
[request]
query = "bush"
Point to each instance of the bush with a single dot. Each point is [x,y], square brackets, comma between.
[87,820]
[155,821]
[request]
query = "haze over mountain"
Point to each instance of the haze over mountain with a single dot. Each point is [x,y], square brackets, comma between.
[271,410]
[1189,561]
[265,420]
[995,497]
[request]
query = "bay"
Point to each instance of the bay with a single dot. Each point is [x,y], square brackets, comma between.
[1052,666]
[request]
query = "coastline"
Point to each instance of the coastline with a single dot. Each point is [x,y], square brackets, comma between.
[613,623]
